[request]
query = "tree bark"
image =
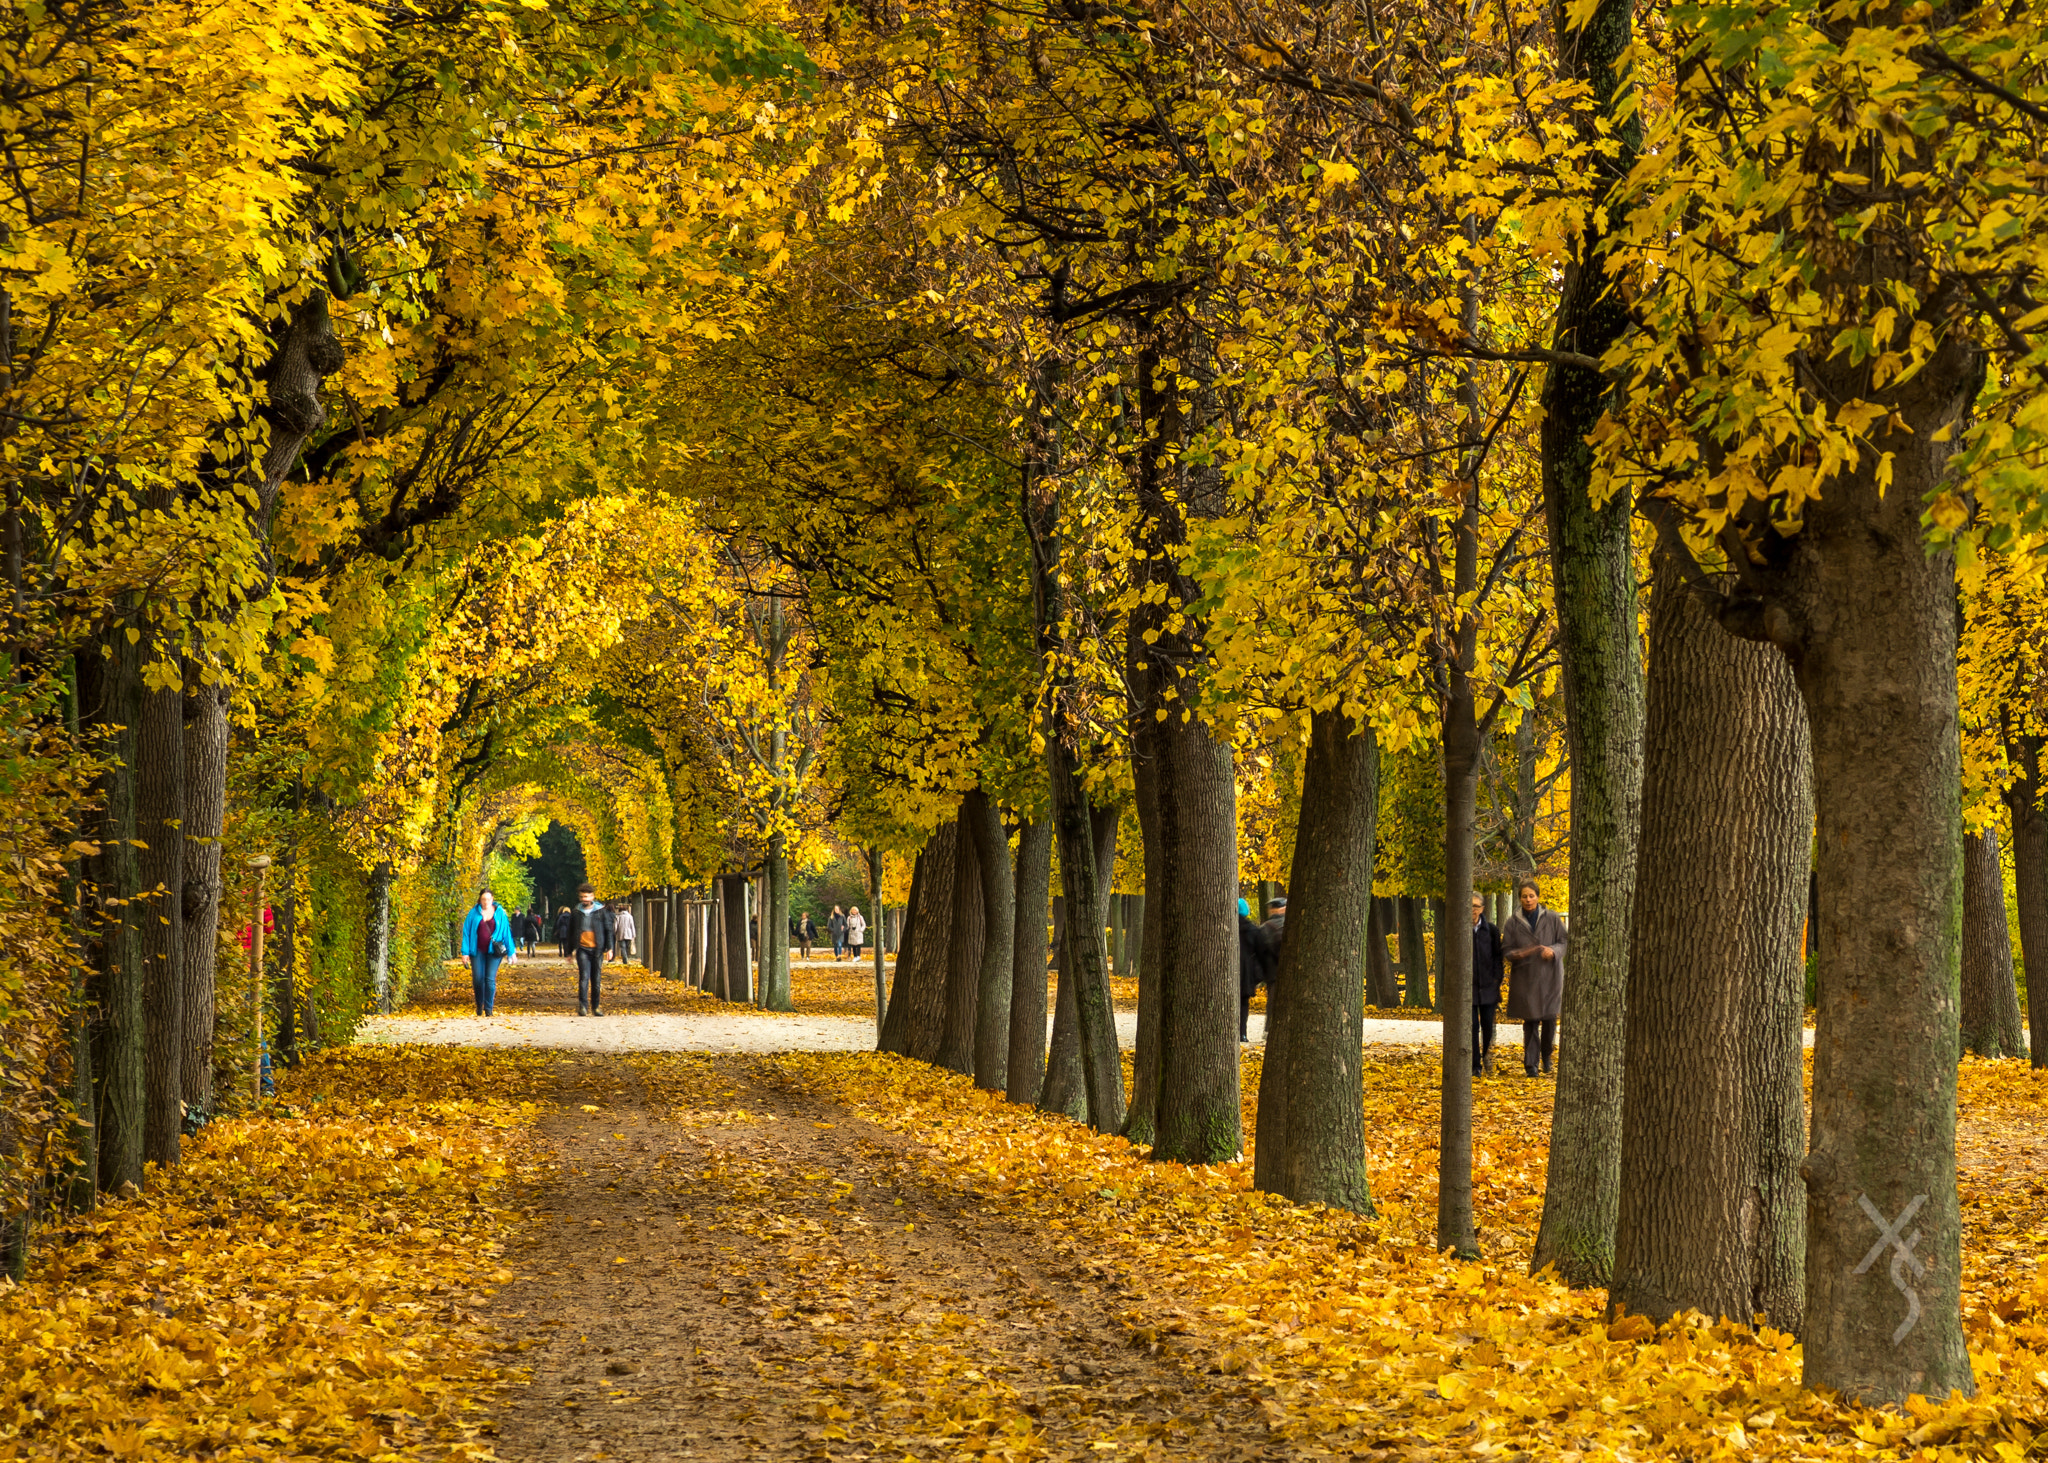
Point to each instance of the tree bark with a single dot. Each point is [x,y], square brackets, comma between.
[1064,1090]
[1311,1121]
[775,930]
[1872,615]
[998,892]
[159,816]
[1033,885]
[206,755]
[1381,982]
[1990,999]
[966,938]
[930,947]
[1593,583]
[282,956]
[110,701]
[735,979]
[2030,882]
[1084,962]
[895,1035]
[1414,954]
[379,936]
[1711,1211]
[1141,1123]
[1455,1227]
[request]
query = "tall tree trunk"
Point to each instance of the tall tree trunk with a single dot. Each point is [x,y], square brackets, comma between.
[1592,566]
[1085,962]
[1064,1089]
[1872,614]
[283,956]
[775,994]
[1414,953]
[998,890]
[931,947]
[1381,982]
[735,978]
[1141,1123]
[1991,1001]
[1311,1122]
[895,1035]
[81,1179]
[379,940]
[1712,1210]
[876,883]
[159,816]
[1455,1228]
[206,756]
[110,698]
[965,941]
[1033,885]
[2030,882]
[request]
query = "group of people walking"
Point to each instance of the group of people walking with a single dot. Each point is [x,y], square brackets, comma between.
[848,928]
[586,931]
[1527,953]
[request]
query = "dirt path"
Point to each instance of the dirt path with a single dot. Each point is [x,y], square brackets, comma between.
[724,1269]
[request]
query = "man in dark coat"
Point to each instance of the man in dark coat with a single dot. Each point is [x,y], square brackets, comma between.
[562,918]
[1535,940]
[592,937]
[1251,941]
[1488,964]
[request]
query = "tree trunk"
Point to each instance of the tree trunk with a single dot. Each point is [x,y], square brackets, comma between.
[110,699]
[998,891]
[1873,616]
[206,761]
[1085,963]
[735,978]
[775,994]
[881,933]
[1032,883]
[1991,1002]
[1455,1228]
[1414,959]
[1711,1211]
[966,939]
[283,959]
[1311,1121]
[2030,882]
[1134,934]
[1064,1090]
[379,936]
[1593,582]
[1141,1123]
[1381,982]
[895,1035]
[923,990]
[159,815]
[1200,1111]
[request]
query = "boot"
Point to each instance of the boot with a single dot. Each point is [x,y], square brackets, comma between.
[583,1008]
[1486,1062]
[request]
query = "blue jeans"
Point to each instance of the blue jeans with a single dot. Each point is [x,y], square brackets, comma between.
[483,980]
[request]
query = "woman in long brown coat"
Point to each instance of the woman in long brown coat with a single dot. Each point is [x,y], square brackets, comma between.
[1535,940]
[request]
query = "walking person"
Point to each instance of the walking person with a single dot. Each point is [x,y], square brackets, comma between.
[591,935]
[532,930]
[1488,964]
[1251,966]
[806,933]
[562,918]
[1535,940]
[487,941]
[625,931]
[856,930]
[835,924]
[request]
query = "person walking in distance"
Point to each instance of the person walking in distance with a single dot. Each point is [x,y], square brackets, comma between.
[487,941]
[806,933]
[563,916]
[856,930]
[836,925]
[1535,940]
[1251,966]
[1487,967]
[624,929]
[591,936]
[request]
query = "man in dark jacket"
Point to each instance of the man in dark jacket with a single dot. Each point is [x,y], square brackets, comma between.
[1489,963]
[591,937]
[1251,966]
[562,918]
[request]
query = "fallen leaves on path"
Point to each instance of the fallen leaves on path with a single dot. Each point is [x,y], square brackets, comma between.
[300,1286]
[1371,1344]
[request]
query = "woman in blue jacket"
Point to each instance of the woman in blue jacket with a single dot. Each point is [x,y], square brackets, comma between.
[487,942]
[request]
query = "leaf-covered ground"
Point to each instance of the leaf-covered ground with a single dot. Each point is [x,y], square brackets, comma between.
[304,1285]
[440,1252]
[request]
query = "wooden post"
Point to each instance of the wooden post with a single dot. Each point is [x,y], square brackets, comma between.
[261,864]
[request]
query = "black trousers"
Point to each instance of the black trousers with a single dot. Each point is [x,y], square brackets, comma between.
[1534,1034]
[589,978]
[1482,1033]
